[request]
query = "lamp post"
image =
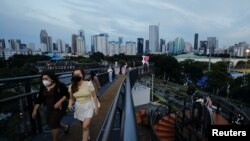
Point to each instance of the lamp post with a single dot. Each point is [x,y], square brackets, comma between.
[209,64]
[234,64]
[246,61]
[229,65]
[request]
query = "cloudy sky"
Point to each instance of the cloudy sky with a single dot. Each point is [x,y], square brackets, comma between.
[228,20]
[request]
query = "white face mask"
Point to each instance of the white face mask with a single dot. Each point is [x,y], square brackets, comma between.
[46,83]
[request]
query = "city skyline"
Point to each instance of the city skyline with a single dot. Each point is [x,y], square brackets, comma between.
[227,20]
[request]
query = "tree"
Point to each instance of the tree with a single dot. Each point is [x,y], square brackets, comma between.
[97,56]
[168,65]
[218,77]
[192,69]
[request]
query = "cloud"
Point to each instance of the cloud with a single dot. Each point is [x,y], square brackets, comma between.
[228,20]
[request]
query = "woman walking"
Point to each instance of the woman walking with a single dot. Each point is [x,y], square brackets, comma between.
[53,94]
[81,92]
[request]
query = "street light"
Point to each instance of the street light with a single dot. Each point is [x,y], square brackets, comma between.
[235,51]
[246,61]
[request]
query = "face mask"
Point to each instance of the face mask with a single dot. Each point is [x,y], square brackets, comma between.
[46,83]
[76,78]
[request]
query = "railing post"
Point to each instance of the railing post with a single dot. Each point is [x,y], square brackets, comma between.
[30,105]
[231,114]
[218,107]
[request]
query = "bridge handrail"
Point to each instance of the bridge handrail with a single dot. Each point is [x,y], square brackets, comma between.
[128,131]
[111,113]
[129,127]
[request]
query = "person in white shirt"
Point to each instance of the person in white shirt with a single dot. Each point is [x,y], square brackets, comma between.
[110,71]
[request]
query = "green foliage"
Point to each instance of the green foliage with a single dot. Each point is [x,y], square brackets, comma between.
[19,60]
[218,77]
[20,65]
[193,69]
[97,57]
[168,65]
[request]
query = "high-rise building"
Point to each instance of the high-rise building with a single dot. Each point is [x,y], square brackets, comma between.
[114,48]
[82,35]
[130,48]
[44,36]
[2,44]
[50,45]
[73,47]
[196,41]
[14,45]
[59,46]
[67,48]
[240,49]
[170,47]
[31,47]
[99,43]
[55,47]
[146,46]
[211,44]
[46,40]
[140,45]
[179,45]
[188,47]
[79,46]
[154,38]
[203,47]
[162,44]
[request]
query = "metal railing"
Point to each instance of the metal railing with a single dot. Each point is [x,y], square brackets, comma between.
[160,112]
[120,122]
[16,106]
[63,66]
[193,121]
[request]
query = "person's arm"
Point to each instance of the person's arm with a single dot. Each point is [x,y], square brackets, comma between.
[93,94]
[71,98]
[37,102]
[35,109]
[95,102]
[65,95]
[58,104]
[97,82]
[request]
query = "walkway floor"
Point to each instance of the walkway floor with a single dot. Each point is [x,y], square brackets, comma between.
[107,94]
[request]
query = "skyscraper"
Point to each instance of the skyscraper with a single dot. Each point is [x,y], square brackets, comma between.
[211,44]
[74,48]
[154,38]
[146,46]
[46,41]
[179,45]
[14,44]
[196,41]
[79,46]
[2,44]
[99,43]
[113,48]
[140,45]
[50,45]
[130,48]
[203,47]
[162,44]
[44,37]
[82,35]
